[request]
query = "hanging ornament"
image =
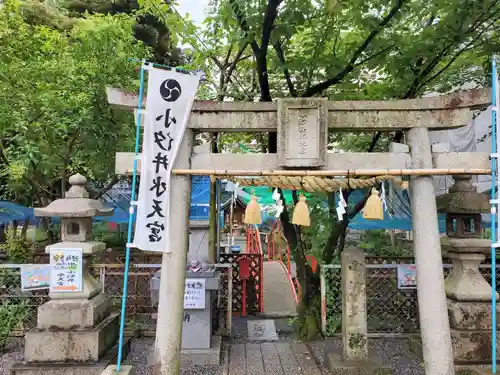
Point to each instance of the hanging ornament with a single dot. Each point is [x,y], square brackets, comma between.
[341,197]
[340,213]
[276,195]
[235,194]
[279,208]
[373,209]
[301,213]
[341,205]
[252,212]
[383,198]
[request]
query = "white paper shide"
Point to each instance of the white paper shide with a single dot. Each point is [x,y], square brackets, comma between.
[170,97]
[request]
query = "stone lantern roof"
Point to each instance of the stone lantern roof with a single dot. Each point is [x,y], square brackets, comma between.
[463,198]
[76,203]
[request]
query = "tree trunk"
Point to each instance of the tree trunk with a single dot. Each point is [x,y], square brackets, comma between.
[308,322]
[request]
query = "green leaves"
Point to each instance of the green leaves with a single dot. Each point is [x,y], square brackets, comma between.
[54,116]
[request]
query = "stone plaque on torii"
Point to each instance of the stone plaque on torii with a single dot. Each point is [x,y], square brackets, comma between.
[302,126]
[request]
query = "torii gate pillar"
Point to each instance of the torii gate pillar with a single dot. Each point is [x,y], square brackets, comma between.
[434,323]
[173,269]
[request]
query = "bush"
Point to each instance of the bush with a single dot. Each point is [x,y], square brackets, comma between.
[112,238]
[17,249]
[11,316]
[378,243]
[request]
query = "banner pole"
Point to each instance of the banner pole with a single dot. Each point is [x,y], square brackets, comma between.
[495,178]
[130,220]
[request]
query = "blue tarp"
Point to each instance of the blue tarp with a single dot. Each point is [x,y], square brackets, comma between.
[401,216]
[200,197]
[10,211]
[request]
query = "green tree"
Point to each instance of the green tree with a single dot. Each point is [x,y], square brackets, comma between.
[343,50]
[359,50]
[54,116]
[147,28]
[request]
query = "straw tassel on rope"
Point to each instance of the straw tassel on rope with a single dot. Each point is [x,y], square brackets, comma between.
[301,212]
[252,212]
[373,209]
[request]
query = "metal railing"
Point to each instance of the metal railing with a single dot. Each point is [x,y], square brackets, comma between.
[390,311]
[141,311]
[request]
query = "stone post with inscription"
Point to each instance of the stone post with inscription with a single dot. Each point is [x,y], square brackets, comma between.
[354,358]
[354,322]
[75,329]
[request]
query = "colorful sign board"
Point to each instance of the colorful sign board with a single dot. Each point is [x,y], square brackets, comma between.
[66,270]
[194,294]
[35,276]
[407,276]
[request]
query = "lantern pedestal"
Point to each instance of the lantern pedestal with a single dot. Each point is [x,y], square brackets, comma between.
[465,282]
[469,296]
[90,286]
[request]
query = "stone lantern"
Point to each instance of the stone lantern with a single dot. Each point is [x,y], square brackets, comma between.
[468,293]
[77,212]
[75,329]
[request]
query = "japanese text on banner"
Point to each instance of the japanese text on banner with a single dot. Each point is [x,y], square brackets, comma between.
[170,96]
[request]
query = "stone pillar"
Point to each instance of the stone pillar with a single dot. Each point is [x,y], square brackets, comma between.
[354,328]
[434,323]
[173,269]
[354,358]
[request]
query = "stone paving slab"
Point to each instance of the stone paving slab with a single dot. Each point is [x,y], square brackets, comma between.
[262,330]
[271,358]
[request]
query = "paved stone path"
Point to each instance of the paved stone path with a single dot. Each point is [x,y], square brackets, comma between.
[279,300]
[271,358]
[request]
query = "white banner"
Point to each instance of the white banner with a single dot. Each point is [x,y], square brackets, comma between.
[170,96]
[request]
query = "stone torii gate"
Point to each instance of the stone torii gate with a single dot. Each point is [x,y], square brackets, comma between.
[302,126]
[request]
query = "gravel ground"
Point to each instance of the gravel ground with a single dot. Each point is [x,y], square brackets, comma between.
[392,351]
[140,357]
[12,354]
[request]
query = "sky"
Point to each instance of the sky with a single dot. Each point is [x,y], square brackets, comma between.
[195,9]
